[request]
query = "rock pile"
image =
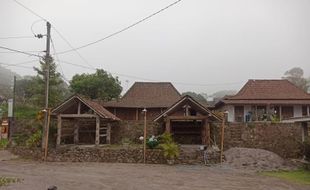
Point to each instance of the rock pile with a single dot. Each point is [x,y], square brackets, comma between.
[255,159]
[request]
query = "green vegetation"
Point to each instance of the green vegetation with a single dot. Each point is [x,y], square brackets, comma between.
[99,85]
[298,176]
[34,140]
[7,180]
[170,148]
[3,143]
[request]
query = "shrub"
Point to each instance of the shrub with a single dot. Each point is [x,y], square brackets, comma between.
[306,146]
[171,150]
[35,139]
[165,138]
[152,142]
[3,143]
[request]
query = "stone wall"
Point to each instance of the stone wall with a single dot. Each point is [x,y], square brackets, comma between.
[115,154]
[281,138]
[133,130]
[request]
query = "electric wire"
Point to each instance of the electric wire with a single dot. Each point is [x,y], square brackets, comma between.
[57,60]
[19,51]
[15,37]
[122,30]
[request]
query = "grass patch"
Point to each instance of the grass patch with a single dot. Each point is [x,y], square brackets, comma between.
[7,180]
[298,176]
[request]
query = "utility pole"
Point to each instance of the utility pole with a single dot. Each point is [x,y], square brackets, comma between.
[47,78]
[12,125]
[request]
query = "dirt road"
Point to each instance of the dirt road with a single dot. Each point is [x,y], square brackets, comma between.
[93,176]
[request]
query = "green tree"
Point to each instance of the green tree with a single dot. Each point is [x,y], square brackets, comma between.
[296,76]
[99,85]
[196,96]
[58,89]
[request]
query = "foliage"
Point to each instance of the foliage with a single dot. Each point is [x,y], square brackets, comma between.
[196,96]
[126,140]
[152,142]
[99,85]
[3,143]
[58,89]
[171,150]
[296,76]
[35,139]
[298,176]
[165,138]
[25,111]
[7,180]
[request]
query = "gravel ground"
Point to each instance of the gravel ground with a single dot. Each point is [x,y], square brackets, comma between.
[255,159]
[81,176]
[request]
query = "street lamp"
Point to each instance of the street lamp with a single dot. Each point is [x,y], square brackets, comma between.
[144,136]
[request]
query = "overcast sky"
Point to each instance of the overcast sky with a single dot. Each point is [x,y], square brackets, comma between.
[199,45]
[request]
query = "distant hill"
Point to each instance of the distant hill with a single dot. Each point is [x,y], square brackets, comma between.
[6,81]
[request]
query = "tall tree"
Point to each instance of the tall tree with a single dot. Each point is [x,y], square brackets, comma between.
[296,76]
[57,87]
[99,85]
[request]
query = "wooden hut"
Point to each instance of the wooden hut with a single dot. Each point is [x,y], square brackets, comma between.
[83,121]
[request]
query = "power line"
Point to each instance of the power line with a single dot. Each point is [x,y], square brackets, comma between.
[57,59]
[30,10]
[69,44]
[23,51]
[8,65]
[122,30]
[17,64]
[15,37]
[19,51]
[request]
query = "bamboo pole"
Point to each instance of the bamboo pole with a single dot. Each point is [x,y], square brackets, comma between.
[222,137]
[144,138]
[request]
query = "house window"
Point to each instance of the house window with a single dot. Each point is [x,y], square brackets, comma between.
[304,110]
[287,112]
[261,113]
[239,113]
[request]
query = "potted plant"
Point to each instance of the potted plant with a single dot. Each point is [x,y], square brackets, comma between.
[171,152]
[152,142]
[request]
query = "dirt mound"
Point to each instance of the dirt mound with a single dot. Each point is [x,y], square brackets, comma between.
[255,159]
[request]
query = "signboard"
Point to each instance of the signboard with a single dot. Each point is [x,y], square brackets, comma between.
[10,107]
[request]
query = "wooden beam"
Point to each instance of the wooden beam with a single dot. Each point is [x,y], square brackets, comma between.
[76,132]
[97,141]
[280,114]
[109,134]
[78,115]
[187,117]
[58,130]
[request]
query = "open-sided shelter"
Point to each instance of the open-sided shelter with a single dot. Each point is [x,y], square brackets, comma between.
[82,121]
[188,121]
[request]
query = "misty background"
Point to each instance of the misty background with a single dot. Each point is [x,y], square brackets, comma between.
[198,45]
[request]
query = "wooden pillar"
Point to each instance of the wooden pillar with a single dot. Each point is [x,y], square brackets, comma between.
[280,112]
[168,127]
[58,130]
[308,110]
[109,133]
[76,131]
[207,133]
[97,138]
[137,114]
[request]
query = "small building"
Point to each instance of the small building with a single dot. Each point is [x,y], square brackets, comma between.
[266,100]
[156,97]
[188,121]
[82,121]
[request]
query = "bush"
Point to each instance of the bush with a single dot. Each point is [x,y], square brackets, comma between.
[171,150]
[152,142]
[165,138]
[35,139]
[306,146]
[3,143]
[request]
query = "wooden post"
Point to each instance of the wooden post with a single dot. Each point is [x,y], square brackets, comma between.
[137,114]
[222,138]
[308,110]
[76,131]
[168,127]
[47,133]
[109,134]
[58,130]
[144,137]
[97,141]
[207,133]
[280,114]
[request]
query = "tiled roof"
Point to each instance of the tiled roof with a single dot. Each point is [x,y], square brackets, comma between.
[147,95]
[270,90]
[95,106]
